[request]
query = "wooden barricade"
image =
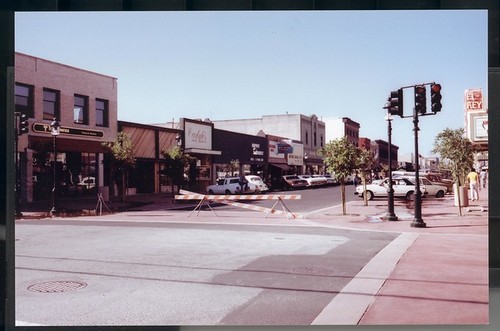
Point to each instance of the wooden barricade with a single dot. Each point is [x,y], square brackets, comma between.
[232,200]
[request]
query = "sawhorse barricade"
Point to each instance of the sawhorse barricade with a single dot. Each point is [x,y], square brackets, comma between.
[232,200]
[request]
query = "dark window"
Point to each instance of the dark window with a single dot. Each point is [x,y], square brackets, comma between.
[307,138]
[24,99]
[50,104]
[81,110]
[101,113]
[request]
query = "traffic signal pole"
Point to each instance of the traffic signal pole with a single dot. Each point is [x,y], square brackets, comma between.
[417,221]
[395,107]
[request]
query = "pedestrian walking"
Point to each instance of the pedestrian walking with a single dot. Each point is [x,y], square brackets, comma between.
[472,178]
[483,177]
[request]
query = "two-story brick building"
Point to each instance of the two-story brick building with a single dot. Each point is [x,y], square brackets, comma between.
[84,103]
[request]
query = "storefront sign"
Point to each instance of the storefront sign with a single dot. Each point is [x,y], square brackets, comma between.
[198,135]
[296,158]
[478,127]
[45,128]
[473,100]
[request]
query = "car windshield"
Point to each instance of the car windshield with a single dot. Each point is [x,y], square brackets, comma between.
[291,177]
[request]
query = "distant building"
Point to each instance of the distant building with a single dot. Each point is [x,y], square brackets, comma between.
[344,127]
[380,149]
[310,130]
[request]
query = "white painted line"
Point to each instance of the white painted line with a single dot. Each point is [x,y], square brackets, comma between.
[349,306]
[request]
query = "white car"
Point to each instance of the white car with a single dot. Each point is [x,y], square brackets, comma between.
[231,185]
[313,181]
[403,188]
[432,189]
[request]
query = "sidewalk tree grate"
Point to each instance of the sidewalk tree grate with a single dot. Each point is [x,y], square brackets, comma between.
[56,287]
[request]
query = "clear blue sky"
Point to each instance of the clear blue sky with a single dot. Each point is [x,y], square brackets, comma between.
[229,65]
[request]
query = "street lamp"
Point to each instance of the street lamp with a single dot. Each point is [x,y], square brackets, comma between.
[390,191]
[55,130]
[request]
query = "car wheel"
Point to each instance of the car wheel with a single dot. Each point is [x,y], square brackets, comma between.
[410,196]
[440,194]
[211,192]
[369,195]
[228,192]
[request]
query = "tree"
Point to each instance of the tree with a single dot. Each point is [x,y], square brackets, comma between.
[456,150]
[364,164]
[122,151]
[176,161]
[340,159]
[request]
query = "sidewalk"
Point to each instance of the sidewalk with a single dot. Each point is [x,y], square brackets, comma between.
[432,275]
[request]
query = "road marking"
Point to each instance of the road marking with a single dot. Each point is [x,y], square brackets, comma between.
[349,306]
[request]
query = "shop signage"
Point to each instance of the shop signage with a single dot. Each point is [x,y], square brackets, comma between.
[198,135]
[285,147]
[45,128]
[473,100]
[296,158]
[478,128]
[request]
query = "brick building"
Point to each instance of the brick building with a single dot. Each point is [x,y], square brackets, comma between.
[85,106]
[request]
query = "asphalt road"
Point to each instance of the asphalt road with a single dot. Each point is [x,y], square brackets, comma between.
[143,271]
[311,199]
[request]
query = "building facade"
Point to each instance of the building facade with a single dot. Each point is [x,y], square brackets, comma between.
[344,127]
[309,130]
[84,104]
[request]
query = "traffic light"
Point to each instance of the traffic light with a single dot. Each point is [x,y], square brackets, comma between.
[23,124]
[395,103]
[420,99]
[436,98]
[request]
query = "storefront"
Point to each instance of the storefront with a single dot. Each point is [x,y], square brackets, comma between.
[286,157]
[197,142]
[149,143]
[240,153]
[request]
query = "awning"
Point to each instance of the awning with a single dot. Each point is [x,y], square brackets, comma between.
[201,151]
[283,167]
[66,145]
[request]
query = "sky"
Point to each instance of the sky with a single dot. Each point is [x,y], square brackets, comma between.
[246,64]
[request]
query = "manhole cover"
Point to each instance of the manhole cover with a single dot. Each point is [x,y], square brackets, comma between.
[56,287]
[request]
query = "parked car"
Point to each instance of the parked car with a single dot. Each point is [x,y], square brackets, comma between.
[293,182]
[313,181]
[403,188]
[434,177]
[329,179]
[434,189]
[231,185]
[87,183]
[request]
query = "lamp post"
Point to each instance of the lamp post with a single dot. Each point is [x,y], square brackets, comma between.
[390,191]
[55,130]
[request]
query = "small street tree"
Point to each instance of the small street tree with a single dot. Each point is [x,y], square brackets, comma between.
[456,150]
[123,157]
[365,164]
[176,161]
[340,159]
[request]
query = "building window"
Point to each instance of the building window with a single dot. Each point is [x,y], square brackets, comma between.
[307,138]
[321,140]
[50,104]
[314,137]
[101,113]
[24,99]
[81,110]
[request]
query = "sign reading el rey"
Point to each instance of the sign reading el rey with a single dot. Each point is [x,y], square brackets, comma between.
[473,100]
[198,135]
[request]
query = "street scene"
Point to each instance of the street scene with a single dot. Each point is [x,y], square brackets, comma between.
[251,168]
[164,265]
